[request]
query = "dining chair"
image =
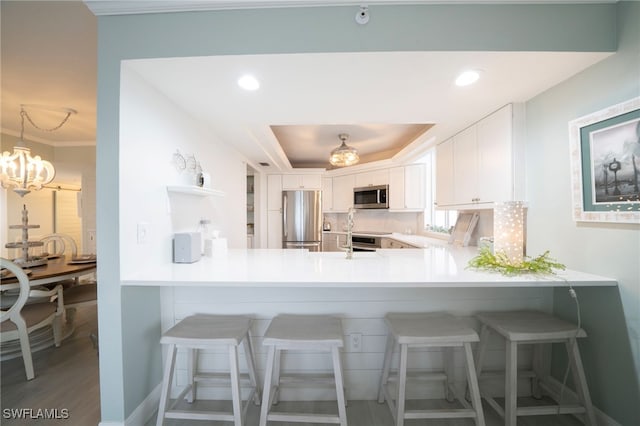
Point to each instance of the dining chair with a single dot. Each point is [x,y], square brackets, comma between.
[21,319]
[79,296]
[59,243]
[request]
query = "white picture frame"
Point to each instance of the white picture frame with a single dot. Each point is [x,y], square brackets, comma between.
[605,164]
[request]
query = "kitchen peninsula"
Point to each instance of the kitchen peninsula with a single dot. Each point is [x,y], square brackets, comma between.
[262,283]
[437,265]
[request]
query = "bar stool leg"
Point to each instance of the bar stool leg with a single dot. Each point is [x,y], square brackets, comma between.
[337,371]
[472,384]
[166,383]
[402,384]
[580,381]
[235,385]
[485,332]
[251,367]
[536,392]
[511,384]
[388,353]
[192,367]
[276,378]
[266,392]
[448,371]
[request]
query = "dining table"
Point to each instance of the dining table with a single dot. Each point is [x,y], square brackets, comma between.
[57,269]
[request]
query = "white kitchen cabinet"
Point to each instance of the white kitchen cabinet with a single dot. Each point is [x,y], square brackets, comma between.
[496,158]
[331,241]
[396,188]
[327,194]
[414,186]
[343,192]
[465,170]
[407,187]
[482,164]
[274,192]
[293,182]
[274,211]
[444,173]
[372,178]
[390,243]
[274,229]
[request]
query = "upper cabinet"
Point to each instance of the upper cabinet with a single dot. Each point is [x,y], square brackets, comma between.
[372,178]
[274,192]
[407,188]
[293,182]
[343,193]
[482,164]
[327,194]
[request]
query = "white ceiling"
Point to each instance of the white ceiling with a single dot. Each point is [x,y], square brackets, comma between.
[49,58]
[348,89]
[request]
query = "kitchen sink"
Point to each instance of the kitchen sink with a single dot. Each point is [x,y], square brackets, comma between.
[343,255]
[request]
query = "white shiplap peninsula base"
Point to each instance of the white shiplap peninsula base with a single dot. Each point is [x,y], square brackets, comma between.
[264,283]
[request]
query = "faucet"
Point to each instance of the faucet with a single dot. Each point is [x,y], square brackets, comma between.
[349,246]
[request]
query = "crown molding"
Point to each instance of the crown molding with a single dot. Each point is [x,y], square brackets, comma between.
[131,7]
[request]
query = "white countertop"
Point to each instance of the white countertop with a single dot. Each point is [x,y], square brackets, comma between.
[438,265]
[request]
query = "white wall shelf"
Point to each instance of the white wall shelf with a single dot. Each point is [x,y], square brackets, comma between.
[195,190]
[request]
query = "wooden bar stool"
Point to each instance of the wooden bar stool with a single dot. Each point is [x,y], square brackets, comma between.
[416,330]
[537,328]
[302,332]
[202,332]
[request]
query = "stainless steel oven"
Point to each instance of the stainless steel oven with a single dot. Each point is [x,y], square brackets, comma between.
[362,243]
[371,197]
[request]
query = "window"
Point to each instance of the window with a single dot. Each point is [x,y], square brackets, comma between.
[440,221]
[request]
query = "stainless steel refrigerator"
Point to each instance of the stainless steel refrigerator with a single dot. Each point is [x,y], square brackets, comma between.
[302,220]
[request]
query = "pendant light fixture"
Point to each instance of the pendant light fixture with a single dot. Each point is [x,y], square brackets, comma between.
[344,155]
[19,170]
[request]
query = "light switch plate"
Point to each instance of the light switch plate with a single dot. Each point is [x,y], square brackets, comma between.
[143,232]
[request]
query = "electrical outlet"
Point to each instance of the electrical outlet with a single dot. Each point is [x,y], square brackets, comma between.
[355,342]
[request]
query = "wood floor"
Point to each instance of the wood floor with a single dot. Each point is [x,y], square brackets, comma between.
[67,379]
[368,413]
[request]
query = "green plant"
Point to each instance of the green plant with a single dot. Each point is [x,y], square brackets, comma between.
[499,262]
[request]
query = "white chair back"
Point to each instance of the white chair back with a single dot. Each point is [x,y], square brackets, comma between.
[57,244]
[29,317]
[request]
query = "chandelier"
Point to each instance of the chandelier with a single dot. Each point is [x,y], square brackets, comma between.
[19,170]
[344,155]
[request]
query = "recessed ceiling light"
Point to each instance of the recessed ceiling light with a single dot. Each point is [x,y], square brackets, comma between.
[248,82]
[467,77]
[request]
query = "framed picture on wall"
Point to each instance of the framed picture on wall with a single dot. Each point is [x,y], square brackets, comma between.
[605,164]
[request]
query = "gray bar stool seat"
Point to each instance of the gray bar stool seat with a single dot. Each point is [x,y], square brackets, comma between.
[418,330]
[535,328]
[205,332]
[302,332]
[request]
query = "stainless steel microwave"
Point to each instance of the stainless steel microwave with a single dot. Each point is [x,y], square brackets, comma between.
[371,197]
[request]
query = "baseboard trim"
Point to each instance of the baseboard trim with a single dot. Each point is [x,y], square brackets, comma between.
[147,408]
[601,417]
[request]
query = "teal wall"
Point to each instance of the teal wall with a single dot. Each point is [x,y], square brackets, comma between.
[578,27]
[611,316]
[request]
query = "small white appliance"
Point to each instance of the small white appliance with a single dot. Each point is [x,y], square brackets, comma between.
[187,247]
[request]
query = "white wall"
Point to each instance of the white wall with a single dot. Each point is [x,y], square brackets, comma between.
[612,350]
[152,128]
